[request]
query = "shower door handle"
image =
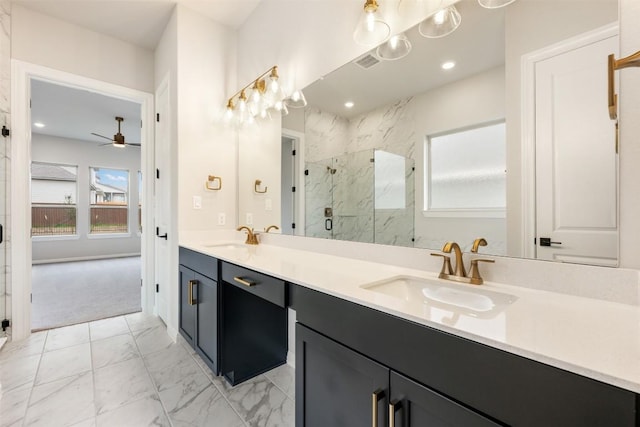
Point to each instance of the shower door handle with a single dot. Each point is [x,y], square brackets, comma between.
[328,224]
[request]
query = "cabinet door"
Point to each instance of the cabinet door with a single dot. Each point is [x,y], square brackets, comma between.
[188,296]
[336,386]
[207,315]
[415,405]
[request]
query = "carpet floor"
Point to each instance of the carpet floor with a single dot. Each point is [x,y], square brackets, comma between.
[76,292]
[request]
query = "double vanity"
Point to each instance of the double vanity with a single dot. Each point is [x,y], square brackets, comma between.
[382,345]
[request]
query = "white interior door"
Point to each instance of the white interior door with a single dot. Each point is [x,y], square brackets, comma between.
[162,202]
[576,161]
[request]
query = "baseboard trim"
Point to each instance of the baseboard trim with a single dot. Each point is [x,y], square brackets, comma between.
[86,258]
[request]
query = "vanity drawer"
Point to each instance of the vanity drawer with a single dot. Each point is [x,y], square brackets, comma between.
[261,285]
[203,264]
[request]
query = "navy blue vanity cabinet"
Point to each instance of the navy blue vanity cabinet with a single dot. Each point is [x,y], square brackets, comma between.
[199,304]
[336,386]
[253,323]
[435,378]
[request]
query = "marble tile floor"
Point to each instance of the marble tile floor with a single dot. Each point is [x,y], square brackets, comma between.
[126,372]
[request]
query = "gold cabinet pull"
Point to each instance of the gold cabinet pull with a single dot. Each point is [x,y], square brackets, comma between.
[192,283]
[392,412]
[244,281]
[375,398]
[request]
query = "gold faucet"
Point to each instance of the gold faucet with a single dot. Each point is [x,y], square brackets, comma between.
[252,237]
[480,241]
[458,273]
[275,227]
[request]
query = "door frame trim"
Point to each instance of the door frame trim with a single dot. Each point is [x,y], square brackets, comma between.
[20,186]
[528,126]
[298,197]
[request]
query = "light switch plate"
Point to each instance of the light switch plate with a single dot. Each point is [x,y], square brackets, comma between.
[197,202]
[249,219]
[222,218]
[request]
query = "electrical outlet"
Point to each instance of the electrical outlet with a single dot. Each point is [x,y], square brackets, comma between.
[249,219]
[197,202]
[222,218]
[268,205]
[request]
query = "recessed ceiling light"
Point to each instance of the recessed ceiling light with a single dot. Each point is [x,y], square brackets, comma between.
[38,125]
[349,104]
[448,65]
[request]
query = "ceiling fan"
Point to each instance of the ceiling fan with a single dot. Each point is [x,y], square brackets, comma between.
[118,138]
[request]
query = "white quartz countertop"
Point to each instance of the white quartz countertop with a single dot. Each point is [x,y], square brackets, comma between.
[594,338]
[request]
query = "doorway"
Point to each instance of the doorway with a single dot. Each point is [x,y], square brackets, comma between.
[139,219]
[571,143]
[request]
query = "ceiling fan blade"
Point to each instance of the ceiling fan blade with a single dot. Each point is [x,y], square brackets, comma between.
[135,144]
[102,145]
[102,136]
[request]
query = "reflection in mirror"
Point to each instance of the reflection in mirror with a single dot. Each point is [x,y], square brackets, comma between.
[400,109]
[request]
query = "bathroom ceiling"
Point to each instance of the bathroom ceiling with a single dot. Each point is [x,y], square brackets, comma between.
[140,22]
[74,113]
[477,45]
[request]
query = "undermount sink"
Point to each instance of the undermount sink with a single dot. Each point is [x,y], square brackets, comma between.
[227,245]
[465,298]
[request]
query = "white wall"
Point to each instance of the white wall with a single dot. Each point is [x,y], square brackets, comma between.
[260,158]
[84,154]
[523,22]
[43,40]
[629,111]
[199,58]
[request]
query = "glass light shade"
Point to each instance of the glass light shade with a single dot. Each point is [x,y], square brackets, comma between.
[296,100]
[284,111]
[494,4]
[371,29]
[441,23]
[396,47]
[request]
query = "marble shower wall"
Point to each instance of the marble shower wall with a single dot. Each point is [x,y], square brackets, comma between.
[5,119]
[353,197]
[349,145]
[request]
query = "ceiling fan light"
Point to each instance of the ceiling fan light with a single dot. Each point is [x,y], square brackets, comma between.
[396,47]
[119,145]
[494,4]
[441,23]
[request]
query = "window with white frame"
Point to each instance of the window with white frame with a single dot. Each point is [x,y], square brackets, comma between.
[465,172]
[109,200]
[54,198]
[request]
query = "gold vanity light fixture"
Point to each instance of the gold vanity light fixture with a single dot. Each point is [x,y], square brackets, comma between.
[396,47]
[494,4]
[256,99]
[632,60]
[371,28]
[440,24]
